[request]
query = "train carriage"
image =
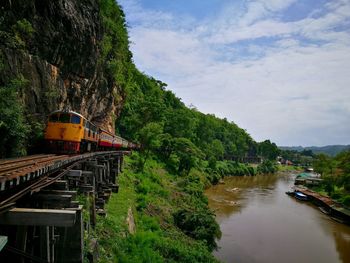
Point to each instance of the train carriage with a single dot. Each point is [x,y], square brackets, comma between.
[118,142]
[90,138]
[125,144]
[106,140]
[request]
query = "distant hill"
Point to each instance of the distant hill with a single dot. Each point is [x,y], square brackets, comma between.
[331,150]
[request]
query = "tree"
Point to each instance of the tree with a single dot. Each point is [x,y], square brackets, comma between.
[324,164]
[344,161]
[268,150]
[267,167]
[187,153]
[149,137]
[217,149]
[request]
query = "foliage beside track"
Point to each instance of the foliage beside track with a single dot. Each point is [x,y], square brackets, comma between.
[173,223]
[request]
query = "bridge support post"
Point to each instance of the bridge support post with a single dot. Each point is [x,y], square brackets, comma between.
[71,245]
[121,158]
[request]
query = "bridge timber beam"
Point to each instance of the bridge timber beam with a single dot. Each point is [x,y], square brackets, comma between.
[38,217]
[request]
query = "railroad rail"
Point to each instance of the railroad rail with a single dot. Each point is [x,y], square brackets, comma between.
[41,219]
[18,171]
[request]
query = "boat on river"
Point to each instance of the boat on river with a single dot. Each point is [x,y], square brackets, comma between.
[298,195]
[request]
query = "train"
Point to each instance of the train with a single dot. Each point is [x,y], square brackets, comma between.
[69,132]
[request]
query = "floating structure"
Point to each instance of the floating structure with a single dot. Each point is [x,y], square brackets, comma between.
[326,205]
[309,178]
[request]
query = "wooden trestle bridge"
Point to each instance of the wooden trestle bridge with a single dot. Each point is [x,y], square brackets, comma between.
[40,220]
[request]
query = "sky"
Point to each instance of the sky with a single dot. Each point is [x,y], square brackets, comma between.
[280,69]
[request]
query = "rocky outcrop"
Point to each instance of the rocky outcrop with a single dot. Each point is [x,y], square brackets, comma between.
[60,58]
[130,221]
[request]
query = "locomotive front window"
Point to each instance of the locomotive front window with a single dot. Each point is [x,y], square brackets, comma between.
[64,118]
[75,119]
[53,118]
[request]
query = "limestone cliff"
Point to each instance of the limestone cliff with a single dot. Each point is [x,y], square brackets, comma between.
[56,47]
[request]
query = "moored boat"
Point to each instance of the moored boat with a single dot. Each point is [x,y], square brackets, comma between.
[300,196]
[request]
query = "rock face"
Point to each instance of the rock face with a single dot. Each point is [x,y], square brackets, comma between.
[130,221]
[60,58]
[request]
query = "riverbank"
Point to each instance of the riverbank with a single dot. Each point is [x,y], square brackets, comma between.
[289,168]
[157,217]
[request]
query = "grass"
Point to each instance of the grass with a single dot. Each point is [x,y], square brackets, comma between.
[113,230]
[284,168]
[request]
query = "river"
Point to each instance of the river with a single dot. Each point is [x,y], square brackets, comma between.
[260,223]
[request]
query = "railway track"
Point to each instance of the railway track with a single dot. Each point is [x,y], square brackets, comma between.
[30,174]
[26,163]
[38,199]
[24,158]
[34,187]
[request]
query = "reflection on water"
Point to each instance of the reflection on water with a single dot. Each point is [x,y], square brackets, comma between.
[260,223]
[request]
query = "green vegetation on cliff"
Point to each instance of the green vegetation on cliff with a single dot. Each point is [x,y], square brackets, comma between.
[13,127]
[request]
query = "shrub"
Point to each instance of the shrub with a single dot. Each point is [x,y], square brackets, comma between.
[346,200]
[178,251]
[199,224]
[267,167]
[139,248]
[23,32]
[336,195]
[328,184]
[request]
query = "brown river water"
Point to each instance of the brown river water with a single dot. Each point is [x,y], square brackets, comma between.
[260,223]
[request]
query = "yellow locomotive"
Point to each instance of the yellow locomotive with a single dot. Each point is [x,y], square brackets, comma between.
[70,132]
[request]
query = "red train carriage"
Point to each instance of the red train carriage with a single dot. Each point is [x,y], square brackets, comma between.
[118,142]
[106,140]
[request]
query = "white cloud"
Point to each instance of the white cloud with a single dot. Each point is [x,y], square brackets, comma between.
[257,10]
[266,28]
[296,93]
